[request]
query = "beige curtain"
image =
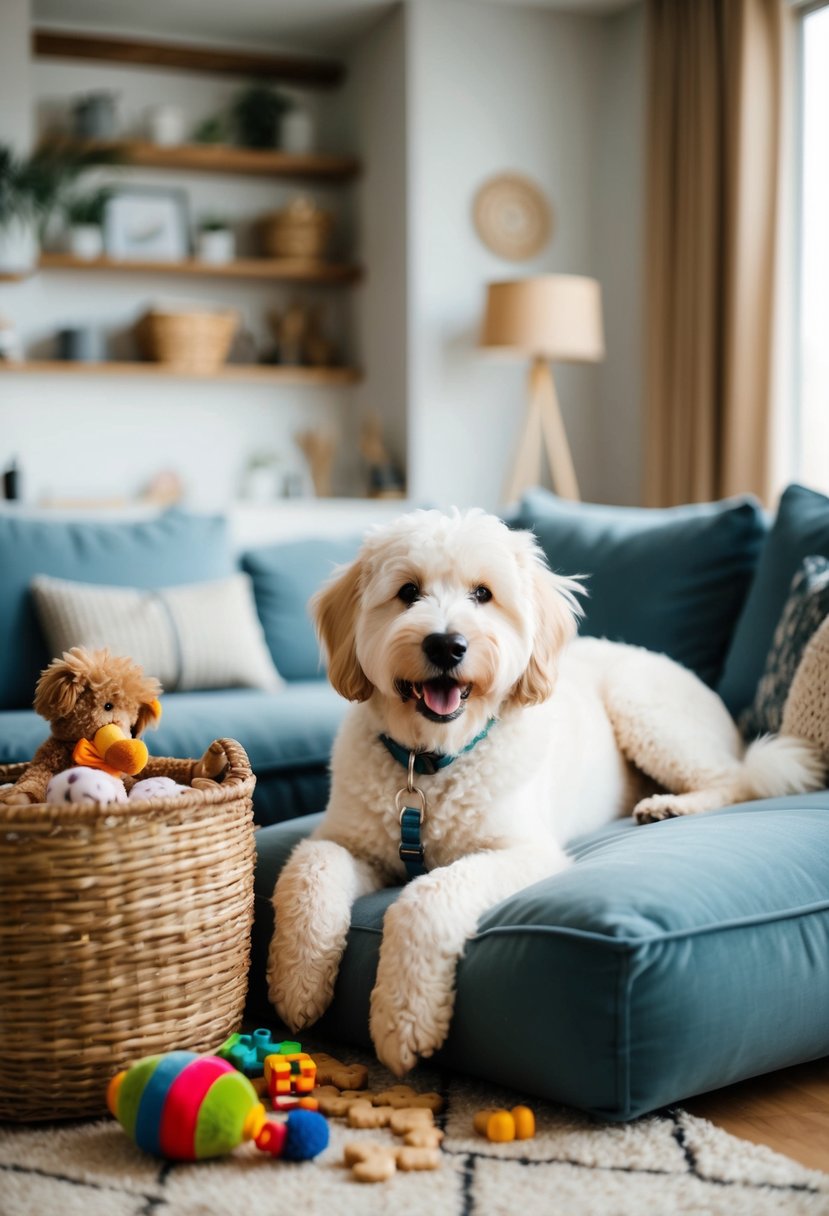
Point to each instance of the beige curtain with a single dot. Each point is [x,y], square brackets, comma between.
[714,100]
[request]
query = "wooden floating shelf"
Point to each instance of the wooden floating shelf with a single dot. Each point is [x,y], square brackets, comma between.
[134,52]
[224,158]
[257,373]
[288,270]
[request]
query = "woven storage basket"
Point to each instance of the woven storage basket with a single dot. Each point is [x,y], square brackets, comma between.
[187,341]
[124,931]
[300,230]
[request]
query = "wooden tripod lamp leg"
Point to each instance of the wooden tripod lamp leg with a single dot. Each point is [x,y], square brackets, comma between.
[559,456]
[526,471]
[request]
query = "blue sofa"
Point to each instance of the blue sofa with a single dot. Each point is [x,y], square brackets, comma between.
[670,959]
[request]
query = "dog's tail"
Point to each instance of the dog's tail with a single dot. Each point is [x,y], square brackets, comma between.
[776,765]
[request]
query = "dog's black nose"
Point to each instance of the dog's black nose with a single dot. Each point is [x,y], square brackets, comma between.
[445,650]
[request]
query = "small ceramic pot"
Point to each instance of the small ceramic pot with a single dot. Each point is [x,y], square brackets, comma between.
[216,246]
[166,125]
[18,246]
[297,131]
[96,116]
[86,241]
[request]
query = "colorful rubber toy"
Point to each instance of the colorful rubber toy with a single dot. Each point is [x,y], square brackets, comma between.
[502,1126]
[114,751]
[247,1052]
[187,1107]
[290,1073]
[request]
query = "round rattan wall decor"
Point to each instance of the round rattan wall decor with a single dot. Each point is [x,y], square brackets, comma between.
[512,216]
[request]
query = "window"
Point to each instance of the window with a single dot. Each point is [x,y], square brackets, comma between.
[812,344]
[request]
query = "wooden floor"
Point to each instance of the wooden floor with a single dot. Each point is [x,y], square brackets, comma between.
[787,1110]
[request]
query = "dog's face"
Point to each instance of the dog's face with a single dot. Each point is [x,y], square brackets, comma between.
[87,689]
[445,621]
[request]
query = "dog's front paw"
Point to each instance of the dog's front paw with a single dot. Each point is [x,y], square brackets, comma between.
[411,1005]
[14,796]
[300,995]
[660,806]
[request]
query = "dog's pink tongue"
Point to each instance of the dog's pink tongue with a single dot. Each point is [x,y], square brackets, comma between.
[442,699]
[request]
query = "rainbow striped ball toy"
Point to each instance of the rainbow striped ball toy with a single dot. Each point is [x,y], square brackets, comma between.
[186,1107]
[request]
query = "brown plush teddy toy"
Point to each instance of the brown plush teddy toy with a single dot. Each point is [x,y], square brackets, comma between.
[98,705]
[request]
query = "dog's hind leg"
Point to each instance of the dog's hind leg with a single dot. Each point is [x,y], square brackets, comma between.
[676,730]
[312,902]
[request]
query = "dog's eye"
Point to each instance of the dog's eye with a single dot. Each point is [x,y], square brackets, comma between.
[482,594]
[108,706]
[408,593]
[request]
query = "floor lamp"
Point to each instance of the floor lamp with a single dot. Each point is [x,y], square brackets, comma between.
[553,316]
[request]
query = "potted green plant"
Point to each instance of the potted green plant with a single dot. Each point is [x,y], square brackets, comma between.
[215,241]
[85,216]
[32,189]
[257,112]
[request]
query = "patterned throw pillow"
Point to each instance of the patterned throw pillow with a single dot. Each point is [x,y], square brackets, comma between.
[804,611]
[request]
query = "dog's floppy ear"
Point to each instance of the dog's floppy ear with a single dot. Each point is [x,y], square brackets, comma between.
[149,714]
[60,685]
[335,609]
[556,610]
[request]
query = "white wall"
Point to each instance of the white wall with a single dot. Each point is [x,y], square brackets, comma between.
[15,113]
[93,438]
[491,90]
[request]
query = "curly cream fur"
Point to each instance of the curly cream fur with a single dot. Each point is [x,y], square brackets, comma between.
[581,728]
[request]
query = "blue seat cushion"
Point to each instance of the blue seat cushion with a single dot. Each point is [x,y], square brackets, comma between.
[167,551]
[285,576]
[668,960]
[671,580]
[287,735]
[801,529]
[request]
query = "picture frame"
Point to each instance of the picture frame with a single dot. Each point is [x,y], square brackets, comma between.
[147,224]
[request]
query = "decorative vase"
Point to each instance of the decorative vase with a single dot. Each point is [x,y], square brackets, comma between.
[297,131]
[86,241]
[216,246]
[18,246]
[166,125]
[96,116]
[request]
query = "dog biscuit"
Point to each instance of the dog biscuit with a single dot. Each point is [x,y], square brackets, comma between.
[363,1114]
[418,1158]
[370,1161]
[423,1137]
[331,1102]
[331,1071]
[408,1120]
[403,1096]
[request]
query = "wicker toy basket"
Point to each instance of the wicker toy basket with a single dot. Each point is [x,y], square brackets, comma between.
[124,931]
[300,230]
[195,341]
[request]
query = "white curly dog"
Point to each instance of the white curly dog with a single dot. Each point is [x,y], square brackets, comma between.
[456,641]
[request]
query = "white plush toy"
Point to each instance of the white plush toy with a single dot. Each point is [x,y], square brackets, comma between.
[156,787]
[85,785]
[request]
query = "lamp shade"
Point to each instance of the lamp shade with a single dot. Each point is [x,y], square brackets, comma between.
[557,316]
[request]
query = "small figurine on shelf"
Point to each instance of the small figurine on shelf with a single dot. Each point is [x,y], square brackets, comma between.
[384,477]
[319,351]
[318,449]
[290,329]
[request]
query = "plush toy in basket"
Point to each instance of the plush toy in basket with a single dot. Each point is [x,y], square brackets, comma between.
[98,705]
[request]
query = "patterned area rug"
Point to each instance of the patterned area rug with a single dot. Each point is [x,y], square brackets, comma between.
[667,1163]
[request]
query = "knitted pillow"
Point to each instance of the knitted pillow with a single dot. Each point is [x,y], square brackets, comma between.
[806,713]
[804,611]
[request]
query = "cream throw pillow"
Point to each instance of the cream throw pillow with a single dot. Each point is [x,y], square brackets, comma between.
[201,635]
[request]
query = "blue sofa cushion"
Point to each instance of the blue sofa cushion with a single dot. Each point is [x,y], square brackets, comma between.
[285,576]
[669,960]
[800,530]
[172,549]
[671,580]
